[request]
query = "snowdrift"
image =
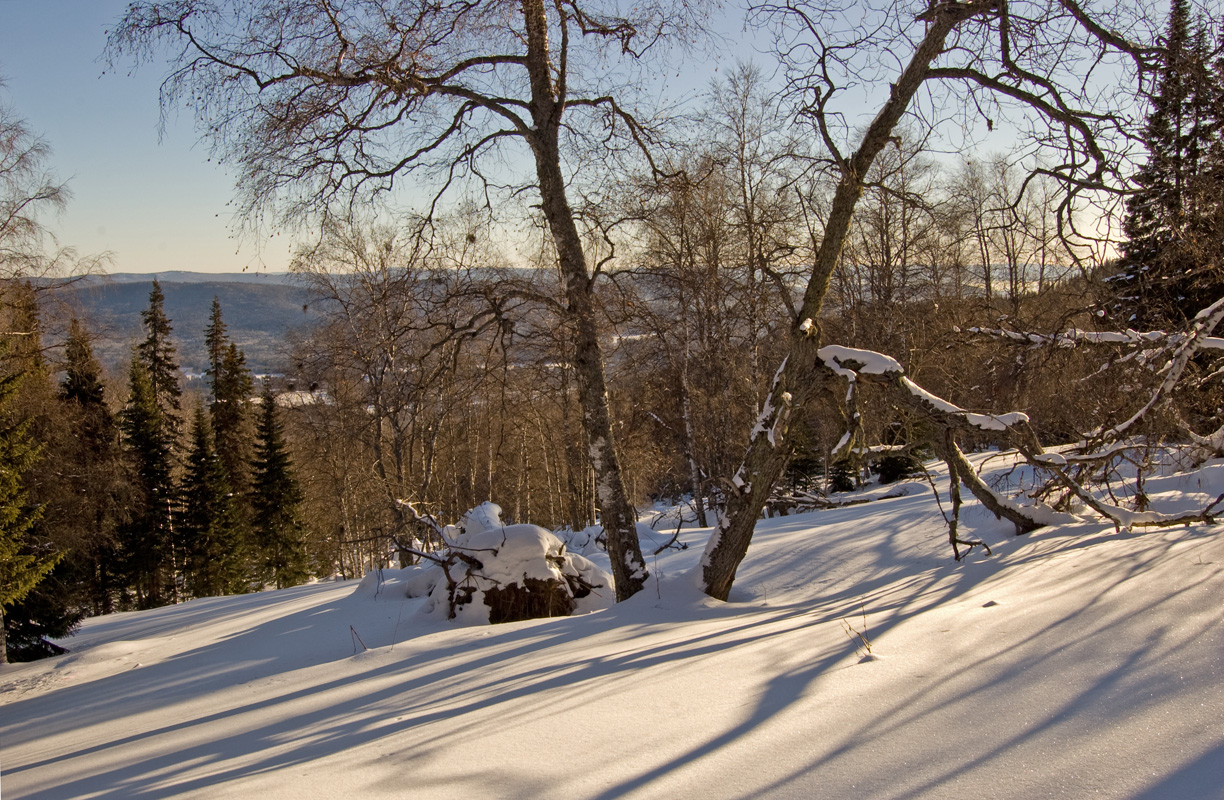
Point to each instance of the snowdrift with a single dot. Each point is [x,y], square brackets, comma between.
[1077,661]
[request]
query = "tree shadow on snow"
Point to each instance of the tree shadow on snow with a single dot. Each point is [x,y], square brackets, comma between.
[397,696]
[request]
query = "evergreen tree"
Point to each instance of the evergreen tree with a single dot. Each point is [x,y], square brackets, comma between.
[147,540]
[231,387]
[277,499]
[22,562]
[210,531]
[82,375]
[215,342]
[157,353]
[150,425]
[51,609]
[97,487]
[1170,265]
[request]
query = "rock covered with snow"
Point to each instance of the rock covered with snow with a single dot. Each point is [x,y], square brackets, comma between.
[505,573]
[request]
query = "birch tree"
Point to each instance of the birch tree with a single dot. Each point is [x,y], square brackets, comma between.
[320,103]
[1038,65]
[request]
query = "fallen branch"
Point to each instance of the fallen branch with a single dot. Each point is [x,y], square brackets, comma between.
[1013,430]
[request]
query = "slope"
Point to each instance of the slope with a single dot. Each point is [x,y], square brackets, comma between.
[1074,662]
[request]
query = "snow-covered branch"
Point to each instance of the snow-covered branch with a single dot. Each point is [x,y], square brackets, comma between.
[1013,429]
[1168,353]
[1075,337]
[1204,324]
[853,364]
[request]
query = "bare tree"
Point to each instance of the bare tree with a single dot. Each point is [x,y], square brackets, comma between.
[27,191]
[1039,63]
[765,159]
[319,102]
[881,270]
[398,321]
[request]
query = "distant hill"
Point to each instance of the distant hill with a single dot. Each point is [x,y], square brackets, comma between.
[179,276]
[259,310]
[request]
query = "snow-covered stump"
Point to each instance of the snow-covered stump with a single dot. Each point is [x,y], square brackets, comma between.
[493,573]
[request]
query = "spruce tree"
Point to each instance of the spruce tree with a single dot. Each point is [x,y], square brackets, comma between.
[23,564]
[157,353]
[210,531]
[81,487]
[215,342]
[150,425]
[1170,267]
[276,498]
[82,383]
[147,539]
[96,482]
[53,607]
[230,390]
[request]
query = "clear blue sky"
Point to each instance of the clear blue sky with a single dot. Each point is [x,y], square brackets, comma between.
[150,198]
[156,203]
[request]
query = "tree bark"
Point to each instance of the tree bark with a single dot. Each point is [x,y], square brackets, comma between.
[802,375]
[617,516]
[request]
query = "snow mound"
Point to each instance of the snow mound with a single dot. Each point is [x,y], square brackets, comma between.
[484,517]
[509,573]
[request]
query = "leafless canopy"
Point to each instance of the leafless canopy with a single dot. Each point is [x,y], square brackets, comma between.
[1059,80]
[319,101]
[1055,68]
[27,192]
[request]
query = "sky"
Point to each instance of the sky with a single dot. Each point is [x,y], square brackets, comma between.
[148,194]
[150,198]
[145,193]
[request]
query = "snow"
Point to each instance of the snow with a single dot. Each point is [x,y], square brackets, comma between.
[496,556]
[485,517]
[1076,661]
[849,363]
[986,422]
[873,363]
[1074,336]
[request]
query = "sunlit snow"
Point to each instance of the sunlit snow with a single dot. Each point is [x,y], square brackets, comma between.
[1075,662]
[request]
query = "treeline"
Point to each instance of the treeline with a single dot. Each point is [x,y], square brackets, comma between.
[160,499]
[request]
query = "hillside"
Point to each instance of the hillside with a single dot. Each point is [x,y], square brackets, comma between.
[1073,662]
[259,311]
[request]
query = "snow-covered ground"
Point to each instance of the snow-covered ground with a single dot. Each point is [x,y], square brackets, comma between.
[1074,662]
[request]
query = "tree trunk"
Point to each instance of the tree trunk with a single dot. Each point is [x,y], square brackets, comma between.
[801,375]
[690,443]
[619,520]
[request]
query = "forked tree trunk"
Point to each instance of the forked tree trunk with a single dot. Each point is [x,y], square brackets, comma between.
[801,375]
